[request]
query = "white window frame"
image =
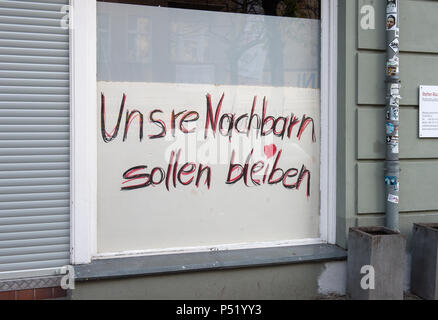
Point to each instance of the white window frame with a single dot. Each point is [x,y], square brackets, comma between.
[84,128]
[83,123]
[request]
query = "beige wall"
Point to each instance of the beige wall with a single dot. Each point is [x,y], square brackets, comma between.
[361,116]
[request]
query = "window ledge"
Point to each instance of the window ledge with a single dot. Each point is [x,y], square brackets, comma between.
[203,261]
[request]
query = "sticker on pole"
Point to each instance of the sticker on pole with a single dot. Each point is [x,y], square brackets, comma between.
[394,101]
[393,199]
[393,144]
[394,45]
[392,6]
[391,21]
[390,128]
[393,114]
[392,181]
[428,112]
[395,90]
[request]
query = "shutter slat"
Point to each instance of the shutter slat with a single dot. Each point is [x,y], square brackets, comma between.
[34,144]
[36,97]
[34,197]
[34,67]
[24,213]
[34,82]
[32,36]
[34,74]
[33,113]
[33,151]
[34,235]
[30,159]
[34,174]
[33,265]
[33,128]
[61,135]
[45,1]
[33,59]
[5,82]
[34,52]
[30,21]
[32,182]
[34,257]
[33,204]
[33,44]
[34,250]
[34,90]
[33,220]
[30,13]
[32,29]
[34,189]
[34,120]
[40,5]
[34,242]
[34,166]
[4,229]
[34,105]
[34,135]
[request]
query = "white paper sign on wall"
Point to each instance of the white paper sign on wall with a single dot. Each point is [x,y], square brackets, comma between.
[180,185]
[428,118]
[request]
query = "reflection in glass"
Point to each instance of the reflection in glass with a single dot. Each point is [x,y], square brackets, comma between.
[308,9]
[138,39]
[158,44]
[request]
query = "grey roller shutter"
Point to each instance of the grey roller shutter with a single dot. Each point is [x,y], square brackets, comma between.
[34,135]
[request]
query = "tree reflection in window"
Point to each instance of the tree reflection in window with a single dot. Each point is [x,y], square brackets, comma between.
[307,9]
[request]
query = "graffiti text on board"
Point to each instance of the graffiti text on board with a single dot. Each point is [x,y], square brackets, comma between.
[226,124]
[252,172]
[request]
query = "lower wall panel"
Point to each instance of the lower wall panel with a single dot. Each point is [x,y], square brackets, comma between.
[280,282]
[418,186]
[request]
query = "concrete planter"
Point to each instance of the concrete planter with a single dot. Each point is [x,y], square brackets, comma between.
[424,271]
[385,251]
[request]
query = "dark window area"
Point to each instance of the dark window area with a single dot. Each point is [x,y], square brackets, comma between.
[308,9]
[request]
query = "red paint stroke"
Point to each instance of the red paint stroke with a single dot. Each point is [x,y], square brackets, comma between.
[270,151]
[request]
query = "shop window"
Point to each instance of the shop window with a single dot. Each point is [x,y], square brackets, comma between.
[209,124]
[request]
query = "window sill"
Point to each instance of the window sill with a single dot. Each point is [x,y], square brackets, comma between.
[204,261]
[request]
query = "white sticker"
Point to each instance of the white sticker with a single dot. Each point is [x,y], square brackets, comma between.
[394,101]
[395,90]
[391,21]
[394,114]
[394,45]
[394,148]
[393,144]
[395,61]
[393,199]
[391,7]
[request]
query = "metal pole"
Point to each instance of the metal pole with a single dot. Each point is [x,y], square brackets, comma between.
[392,163]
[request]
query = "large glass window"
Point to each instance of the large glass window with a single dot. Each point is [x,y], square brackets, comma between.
[209,123]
